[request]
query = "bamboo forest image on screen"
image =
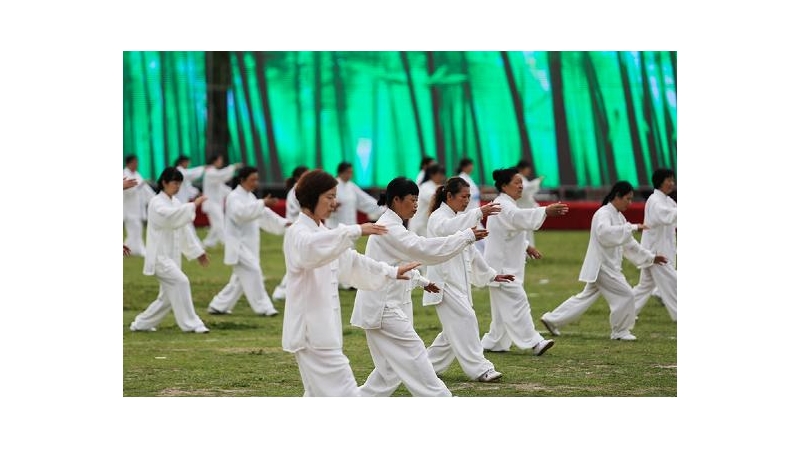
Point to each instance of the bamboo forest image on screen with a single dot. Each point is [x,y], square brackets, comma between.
[583,119]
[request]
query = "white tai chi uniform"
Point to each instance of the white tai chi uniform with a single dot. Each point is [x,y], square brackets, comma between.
[169,235]
[460,336]
[387,316]
[420,177]
[610,238]
[352,199]
[474,202]
[187,190]
[528,200]
[419,223]
[134,205]
[661,216]
[216,190]
[292,213]
[316,258]
[245,217]
[505,252]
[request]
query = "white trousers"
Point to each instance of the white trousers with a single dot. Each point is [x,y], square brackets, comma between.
[175,294]
[664,278]
[511,319]
[248,279]
[400,356]
[216,223]
[326,373]
[133,236]
[459,339]
[615,289]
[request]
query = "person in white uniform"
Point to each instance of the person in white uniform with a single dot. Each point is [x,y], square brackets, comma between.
[506,250]
[214,178]
[661,219]
[530,187]
[427,161]
[460,336]
[316,258]
[190,175]
[610,237]
[169,235]
[134,204]
[292,213]
[387,315]
[434,177]
[245,217]
[465,168]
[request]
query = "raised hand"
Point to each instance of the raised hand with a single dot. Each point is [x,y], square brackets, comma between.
[372,228]
[432,288]
[504,278]
[401,270]
[199,200]
[556,209]
[490,209]
[128,183]
[269,200]
[479,234]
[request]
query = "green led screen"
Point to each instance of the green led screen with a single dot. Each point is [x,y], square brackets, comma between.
[584,119]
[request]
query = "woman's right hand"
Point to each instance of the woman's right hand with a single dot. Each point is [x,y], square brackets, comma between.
[479,234]
[372,228]
[199,200]
[490,209]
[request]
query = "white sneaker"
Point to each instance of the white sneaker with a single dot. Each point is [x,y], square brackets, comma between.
[279,294]
[490,375]
[133,328]
[543,346]
[201,329]
[215,312]
[550,326]
[270,313]
[625,337]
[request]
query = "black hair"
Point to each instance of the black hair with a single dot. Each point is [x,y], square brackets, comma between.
[344,165]
[453,186]
[503,176]
[426,160]
[167,175]
[463,163]
[243,173]
[311,185]
[620,189]
[659,175]
[130,158]
[296,173]
[524,164]
[398,187]
[432,170]
[180,159]
[212,157]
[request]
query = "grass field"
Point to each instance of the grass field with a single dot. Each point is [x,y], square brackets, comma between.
[242,356]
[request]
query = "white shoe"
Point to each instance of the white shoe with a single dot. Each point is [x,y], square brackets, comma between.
[625,337]
[490,375]
[141,329]
[270,313]
[543,346]
[201,329]
[279,294]
[215,312]
[550,326]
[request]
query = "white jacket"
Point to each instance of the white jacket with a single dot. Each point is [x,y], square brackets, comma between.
[529,190]
[474,191]
[508,237]
[136,199]
[661,215]
[317,259]
[292,206]
[400,246]
[419,223]
[187,190]
[609,239]
[169,232]
[214,186]
[451,276]
[244,215]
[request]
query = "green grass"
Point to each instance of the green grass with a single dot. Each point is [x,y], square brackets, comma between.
[242,355]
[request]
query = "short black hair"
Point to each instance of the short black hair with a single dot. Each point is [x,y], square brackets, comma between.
[659,175]
[344,165]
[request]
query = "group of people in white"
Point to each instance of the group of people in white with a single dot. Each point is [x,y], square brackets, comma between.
[424,235]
